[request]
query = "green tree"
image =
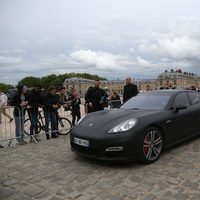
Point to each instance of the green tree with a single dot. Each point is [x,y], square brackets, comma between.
[5,87]
[57,83]
[56,80]
[47,80]
[62,77]
[30,81]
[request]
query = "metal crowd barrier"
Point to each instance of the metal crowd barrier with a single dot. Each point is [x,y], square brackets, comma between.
[7,127]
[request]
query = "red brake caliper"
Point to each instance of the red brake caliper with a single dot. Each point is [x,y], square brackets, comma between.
[145,149]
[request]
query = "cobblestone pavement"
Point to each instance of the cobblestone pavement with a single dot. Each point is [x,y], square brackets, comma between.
[49,170]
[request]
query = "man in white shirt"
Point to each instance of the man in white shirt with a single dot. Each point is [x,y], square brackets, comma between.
[3,104]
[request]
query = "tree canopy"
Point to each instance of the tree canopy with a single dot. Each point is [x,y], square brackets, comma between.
[55,80]
[5,87]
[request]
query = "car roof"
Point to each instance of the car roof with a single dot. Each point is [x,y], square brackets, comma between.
[168,91]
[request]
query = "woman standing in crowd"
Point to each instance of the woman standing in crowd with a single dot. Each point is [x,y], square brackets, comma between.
[20,102]
[75,104]
[115,100]
[63,98]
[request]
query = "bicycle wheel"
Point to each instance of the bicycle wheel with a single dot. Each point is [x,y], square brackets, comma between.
[64,126]
[27,125]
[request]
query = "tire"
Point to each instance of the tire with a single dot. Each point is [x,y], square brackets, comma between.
[151,145]
[27,125]
[64,126]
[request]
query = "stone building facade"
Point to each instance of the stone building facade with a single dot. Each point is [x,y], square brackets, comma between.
[176,78]
[82,85]
[147,84]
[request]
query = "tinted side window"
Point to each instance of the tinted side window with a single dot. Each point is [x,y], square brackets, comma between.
[194,97]
[181,98]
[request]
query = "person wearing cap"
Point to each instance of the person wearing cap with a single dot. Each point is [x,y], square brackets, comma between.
[130,90]
[20,102]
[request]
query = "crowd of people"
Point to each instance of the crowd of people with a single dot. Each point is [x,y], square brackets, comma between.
[25,101]
[96,99]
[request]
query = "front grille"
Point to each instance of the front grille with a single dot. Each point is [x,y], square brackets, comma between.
[114,154]
[85,150]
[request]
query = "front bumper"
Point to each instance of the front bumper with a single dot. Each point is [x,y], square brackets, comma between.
[112,147]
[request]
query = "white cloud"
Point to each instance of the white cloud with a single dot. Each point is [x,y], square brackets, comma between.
[99,37]
[98,59]
[187,26]
[181,44]
[142,62]
[177,48]
[180,48]
[17,51]
[5,61]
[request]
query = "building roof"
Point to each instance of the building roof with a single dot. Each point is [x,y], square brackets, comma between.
[78,79]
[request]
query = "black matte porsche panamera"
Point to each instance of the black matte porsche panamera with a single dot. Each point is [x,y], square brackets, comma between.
[141,129]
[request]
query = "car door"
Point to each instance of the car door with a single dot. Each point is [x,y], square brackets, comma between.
[181,123]
[195,107]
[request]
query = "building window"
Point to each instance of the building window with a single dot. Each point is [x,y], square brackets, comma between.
[174,82]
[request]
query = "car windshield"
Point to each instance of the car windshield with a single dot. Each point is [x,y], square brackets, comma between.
[147,101]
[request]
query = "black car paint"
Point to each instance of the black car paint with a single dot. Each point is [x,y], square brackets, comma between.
[175,124]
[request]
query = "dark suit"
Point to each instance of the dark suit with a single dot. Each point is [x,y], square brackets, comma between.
[95,96]
[130,90]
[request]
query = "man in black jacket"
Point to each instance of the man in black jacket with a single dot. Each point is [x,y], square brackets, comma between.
[130,90]
[95,97]
[35,101]
[52,104]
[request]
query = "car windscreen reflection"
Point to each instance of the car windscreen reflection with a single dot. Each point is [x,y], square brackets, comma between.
[147,101]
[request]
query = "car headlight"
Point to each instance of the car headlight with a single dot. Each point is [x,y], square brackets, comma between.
[124,126]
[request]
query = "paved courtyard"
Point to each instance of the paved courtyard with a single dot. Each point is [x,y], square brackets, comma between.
[49,170]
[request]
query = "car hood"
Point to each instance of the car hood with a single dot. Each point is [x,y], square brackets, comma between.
[107,119]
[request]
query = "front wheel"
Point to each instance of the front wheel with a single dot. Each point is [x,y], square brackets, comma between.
[151,145]
[64,126]
[27,126]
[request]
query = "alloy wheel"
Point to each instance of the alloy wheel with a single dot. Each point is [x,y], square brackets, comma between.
[152,145]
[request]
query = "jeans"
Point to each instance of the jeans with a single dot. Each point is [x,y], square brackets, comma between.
[19,128]
[51,116]
[34,122]
[75,114]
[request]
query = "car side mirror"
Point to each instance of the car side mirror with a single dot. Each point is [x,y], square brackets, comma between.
[180,107]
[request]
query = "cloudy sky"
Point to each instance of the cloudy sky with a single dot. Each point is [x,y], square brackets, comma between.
[110,38]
